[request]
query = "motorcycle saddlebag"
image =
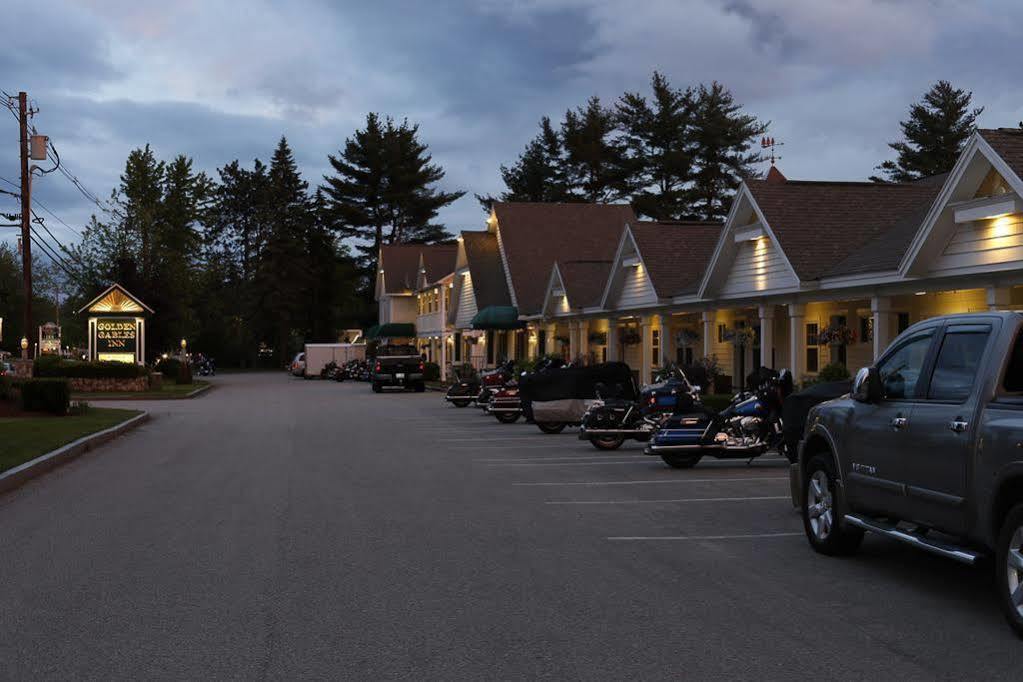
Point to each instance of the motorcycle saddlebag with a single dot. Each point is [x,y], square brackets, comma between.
[464,389]
[683,429]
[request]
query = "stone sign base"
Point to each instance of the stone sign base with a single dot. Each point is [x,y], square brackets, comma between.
[137,384]
[23,368]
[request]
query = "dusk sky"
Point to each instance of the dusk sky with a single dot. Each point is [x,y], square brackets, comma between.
[220,81]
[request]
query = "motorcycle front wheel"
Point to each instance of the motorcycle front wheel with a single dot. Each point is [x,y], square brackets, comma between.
[607,442]
[507,417]
[681,461]
[551,427]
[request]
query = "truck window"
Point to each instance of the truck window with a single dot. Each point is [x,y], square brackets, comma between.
[900,371]
[957,364]
[1014,373]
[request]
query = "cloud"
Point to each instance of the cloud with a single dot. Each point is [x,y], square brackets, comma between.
[223,81]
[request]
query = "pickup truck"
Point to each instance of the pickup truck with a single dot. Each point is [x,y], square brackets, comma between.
[398,367]
[927,449]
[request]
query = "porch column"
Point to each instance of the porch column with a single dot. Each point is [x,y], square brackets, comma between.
[709,317]
[550,343]
[612,339]
[443,356]
[797,341]
[668,347]
[584,340]
[646,326]
[999,298]
[881,311]
[767,336]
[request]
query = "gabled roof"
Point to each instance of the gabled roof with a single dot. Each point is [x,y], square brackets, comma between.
[1008,144]
[535,235]
[584,281]
[115,299]
[817,224]
[675,253]
[439,261]
[400,264]
[485,269]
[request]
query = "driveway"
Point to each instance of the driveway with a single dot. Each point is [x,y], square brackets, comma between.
[286,529]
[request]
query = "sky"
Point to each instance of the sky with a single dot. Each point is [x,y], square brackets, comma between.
[219,81]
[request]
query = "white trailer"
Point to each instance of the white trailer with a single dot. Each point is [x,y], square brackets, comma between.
[317,355]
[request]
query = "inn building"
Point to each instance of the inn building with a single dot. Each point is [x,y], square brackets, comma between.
[800,275]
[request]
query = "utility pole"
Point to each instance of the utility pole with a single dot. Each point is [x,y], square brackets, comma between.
[26,215]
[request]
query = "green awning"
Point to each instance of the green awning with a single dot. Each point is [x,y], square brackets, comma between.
[497,317]
[392,330]
[371,333]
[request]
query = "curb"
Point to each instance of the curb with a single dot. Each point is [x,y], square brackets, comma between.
[123,397]
[13,478]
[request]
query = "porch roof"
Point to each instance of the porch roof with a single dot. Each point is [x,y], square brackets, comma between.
[818,224]
[676,253]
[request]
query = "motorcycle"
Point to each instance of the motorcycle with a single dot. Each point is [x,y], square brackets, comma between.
[465,389]
[748,427]
[616,417]
[491,381]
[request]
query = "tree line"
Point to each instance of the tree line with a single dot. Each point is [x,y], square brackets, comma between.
[252,261]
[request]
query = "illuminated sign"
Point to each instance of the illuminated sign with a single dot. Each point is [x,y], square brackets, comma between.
[116,336]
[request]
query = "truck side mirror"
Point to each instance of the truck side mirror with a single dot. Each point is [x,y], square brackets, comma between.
[867,385]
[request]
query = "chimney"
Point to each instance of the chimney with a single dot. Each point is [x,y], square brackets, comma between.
[774,175]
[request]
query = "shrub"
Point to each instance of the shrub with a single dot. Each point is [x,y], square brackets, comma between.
[835,371]
[716,401]
[46,395]
[6,389]
[431,371]
[50,366]
[174,370]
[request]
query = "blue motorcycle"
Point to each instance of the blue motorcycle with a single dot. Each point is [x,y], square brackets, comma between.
[750,426]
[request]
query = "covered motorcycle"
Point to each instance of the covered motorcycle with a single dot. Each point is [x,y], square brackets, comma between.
[560,397]
[750,426]
[618,414]
[506,402]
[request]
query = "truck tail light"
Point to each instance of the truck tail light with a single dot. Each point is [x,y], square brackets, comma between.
[422,366]
[376,367]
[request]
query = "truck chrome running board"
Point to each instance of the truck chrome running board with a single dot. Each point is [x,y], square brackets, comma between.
[960,554]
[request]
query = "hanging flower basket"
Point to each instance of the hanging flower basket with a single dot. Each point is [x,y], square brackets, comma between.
[563,340]
[598,338]
[743,337]
[836,335]
[629,337]
[687,337]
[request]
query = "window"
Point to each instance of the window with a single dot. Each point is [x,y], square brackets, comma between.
[722,333]
[903,323]
[541,341]
[1014,373]
[655,346]
[458,347]
[447,298]
[900,371]
[812,352]
[866,329]
[960,356]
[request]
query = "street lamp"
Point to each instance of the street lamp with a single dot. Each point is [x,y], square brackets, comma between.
[24,348]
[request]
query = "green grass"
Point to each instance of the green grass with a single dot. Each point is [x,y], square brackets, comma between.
[26,438]
[169,391]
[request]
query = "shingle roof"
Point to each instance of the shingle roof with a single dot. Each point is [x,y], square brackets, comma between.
[818,224]
[485,269]
[676,254]
[584,281]
[535,235]
[400,263]
[1008,144]
[439,260]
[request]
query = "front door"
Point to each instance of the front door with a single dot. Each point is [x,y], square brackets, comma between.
[878,435]
[943,429]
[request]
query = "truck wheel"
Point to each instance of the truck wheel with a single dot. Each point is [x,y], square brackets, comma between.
[823,528]
[1009,568]
[507,417]
[460,403]
[551,427]
[681,461]
[376,387]
[607,442]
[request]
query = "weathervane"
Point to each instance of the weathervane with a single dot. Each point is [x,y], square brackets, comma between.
[769,143]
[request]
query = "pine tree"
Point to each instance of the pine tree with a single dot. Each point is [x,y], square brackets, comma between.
[723,138]
[659,140]
[538,174]
[937,128]
[383,189]
[596,166]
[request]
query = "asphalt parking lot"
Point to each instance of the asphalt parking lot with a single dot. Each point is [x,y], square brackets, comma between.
[288,529]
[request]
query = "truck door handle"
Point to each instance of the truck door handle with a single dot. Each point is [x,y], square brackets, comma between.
[958,425]
[898,422]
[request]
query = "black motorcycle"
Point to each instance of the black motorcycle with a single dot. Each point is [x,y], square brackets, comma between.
[750,426]
[618,415]
[465,389]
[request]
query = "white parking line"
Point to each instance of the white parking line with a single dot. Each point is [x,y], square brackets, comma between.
[476,440]
[674,480]
[703,537]
[487,446]
[542,459]
[679,500]
[560,464]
